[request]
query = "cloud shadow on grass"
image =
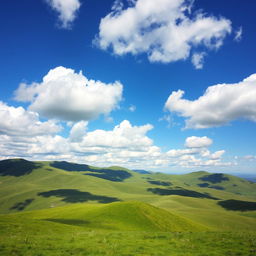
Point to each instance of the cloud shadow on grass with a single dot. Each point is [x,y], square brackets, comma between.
[22,205]
[160,183]
[72,222]
[180,192]
[214,178]
[237,205]
[103,173]
[76,196]
[17,167]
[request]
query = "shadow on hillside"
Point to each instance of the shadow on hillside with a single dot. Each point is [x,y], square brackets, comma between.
[69,221]
[17,167]
[214,178]
[207,185]
[22,205]
[180,192]
[76,196]
[103,173]
[158,182]
[112,175]
[237,205]
[71,167]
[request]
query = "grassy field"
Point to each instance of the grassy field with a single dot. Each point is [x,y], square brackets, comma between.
[59,208]
[130,228]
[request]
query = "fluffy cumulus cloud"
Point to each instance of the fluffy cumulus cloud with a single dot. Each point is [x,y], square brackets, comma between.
[165,30]
[219,105]
[197,154]
[198,142]
[123,135]
[19,122]
[69,96]
[66,9]
[126,145]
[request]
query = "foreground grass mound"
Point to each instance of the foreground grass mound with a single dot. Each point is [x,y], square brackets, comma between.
[136,216]
[125,216]
[37,233]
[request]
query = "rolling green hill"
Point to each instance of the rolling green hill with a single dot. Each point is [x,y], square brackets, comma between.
[57,197]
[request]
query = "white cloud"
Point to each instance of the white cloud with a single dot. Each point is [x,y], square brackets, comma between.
[66,9]
[182,152]
[198,142]
[19,122]
[123,135]
[124,145]
[132,108]
[77,131]
[163,29]
[69,96]
[238,34]
[196,154]
[198,60]
[250,157]
[219,105]
[217,154]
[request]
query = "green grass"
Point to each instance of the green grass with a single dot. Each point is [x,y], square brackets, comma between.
[115,229]
[59,239]
[42,213]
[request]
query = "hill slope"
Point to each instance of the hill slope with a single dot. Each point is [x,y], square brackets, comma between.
[26,186]
[126,216]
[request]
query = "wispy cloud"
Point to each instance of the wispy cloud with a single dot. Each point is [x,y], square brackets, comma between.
[198,60]
[132,108]
[238,34]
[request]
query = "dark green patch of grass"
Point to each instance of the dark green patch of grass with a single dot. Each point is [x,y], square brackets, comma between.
[103,173]
[17,167]
[214,178]
[112,175]
[66,166]
[237,205]
[70,221]
[76,196]
[180,192]
[22,205]
[161,183]
[203,185]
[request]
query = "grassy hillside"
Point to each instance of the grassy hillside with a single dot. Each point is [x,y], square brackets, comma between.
[61,208]
[26,185]
[122,228]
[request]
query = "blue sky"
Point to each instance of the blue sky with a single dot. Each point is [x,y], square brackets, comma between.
[127,107]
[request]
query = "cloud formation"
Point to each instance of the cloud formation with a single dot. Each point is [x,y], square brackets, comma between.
[69,96]
[19,122]
[219,105]
[198,60]
[165,30]
[198,142]
[66,9]
[126,145]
